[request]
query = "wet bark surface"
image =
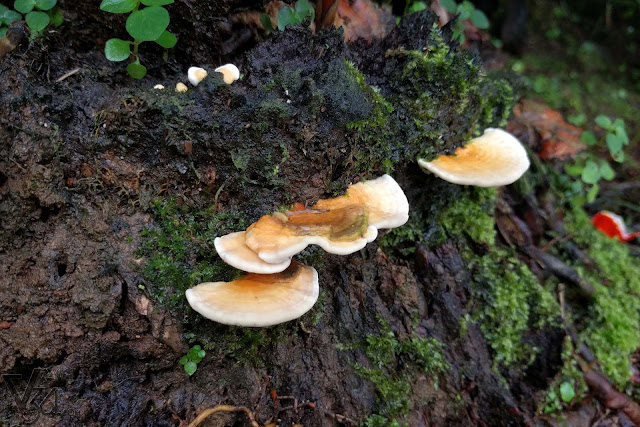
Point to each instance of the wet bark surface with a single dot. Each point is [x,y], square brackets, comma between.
[82,159]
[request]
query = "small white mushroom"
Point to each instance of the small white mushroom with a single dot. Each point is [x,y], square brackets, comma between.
[494,159]
[196,75]
[159,87]
[230,73]
[181,87]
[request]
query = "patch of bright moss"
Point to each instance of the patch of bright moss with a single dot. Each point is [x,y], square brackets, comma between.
[508,299]
[393,364]
[444,91]
[471,214]
[180,254]
[374,138]
[610,325]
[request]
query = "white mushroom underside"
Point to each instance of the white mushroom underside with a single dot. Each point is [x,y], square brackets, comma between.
[234,251]
[267,305]
[499,159]
[333,247]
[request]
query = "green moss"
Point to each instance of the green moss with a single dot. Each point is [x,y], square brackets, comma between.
[393,364]
[471,214]
[180,252]
[508,299]
[609,327]
[447,97]
[508,302]
[374,138]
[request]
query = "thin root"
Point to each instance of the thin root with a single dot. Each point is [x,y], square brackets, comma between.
[224,408]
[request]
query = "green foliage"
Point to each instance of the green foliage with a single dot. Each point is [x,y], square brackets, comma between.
[192,358]
[178,239]
[465,10]
[143,24]
[293,15]
[38,15]
[508,298]
[609,326]
[568,383]
[373,134]
[393,364]
[471,214]
[589,166]
[509,301]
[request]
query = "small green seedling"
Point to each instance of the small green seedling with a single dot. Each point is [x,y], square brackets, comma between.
[294,16]
[592,168]
[465,10]
[38,14]
[190,360]
[147,24]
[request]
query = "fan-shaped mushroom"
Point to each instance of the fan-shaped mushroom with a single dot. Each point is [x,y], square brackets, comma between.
[258,299]
[496,158]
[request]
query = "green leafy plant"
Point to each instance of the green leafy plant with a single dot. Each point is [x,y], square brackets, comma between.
[465,10]
[192,358]
[37,13]
[148,24]
[295,15]
[590,168]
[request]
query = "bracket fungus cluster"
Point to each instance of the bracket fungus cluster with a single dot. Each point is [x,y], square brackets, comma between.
[280,289]
[494,159]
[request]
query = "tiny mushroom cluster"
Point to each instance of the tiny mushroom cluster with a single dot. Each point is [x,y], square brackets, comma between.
[279,288]
[230,73]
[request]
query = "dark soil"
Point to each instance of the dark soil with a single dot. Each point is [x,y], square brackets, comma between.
[81,160]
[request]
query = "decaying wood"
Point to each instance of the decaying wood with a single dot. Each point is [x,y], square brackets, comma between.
[517,233]
[16,34]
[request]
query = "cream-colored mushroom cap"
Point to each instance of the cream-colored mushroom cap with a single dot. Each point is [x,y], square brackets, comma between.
[181,87]
[276,238]
[230,73]
[196,75]
[496,158]
[385,201]
[258,299]
[234,251]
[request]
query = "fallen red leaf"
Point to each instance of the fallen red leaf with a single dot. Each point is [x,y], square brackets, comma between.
[613,226]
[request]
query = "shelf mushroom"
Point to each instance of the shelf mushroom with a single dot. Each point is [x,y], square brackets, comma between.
[385,201]
[276,238]
[494,159]
[258,299]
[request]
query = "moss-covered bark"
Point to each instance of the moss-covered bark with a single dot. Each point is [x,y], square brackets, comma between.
[112,197]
